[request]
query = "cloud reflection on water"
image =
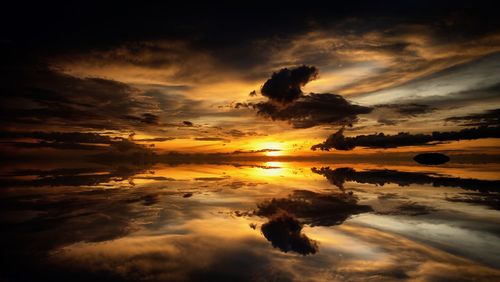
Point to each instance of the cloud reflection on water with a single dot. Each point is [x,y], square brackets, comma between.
[56,225]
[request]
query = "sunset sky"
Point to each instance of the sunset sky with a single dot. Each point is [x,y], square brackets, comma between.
[250,141]
[193,79]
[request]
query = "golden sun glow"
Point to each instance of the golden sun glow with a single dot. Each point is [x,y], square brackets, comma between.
[273,146]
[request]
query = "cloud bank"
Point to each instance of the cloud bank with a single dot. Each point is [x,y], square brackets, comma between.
[338,141]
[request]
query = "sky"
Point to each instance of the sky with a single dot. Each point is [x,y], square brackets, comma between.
[279,79]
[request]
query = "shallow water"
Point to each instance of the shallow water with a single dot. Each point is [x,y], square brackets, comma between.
[267,221]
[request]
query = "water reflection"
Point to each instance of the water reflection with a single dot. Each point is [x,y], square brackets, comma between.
[284,232]
[380,177]
[247,221]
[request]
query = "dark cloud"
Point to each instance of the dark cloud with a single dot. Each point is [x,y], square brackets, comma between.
[393,114]
[339,142]
[284,233]
[145,200]
[285,85]
[210,139]
[287,216]
[389,196]
[313,208]
[254,51]
[157,178]
[62,137]
[313,110]
[38,97]
[69,216]
[239,184]
[144,118]
[409,209]
[81,216]
[385,121]
[211,178]
[70,141]
[488,118]
[238,152]
[42,31]
[336,141]
[72,177]
[52,145]
[288,103]
[381,177]
[243,105]
[491,200]
[34,96]
[238,133]
[410,109]
[155,139]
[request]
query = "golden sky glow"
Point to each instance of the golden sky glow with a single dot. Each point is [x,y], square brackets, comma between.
[207,99]
[295,141]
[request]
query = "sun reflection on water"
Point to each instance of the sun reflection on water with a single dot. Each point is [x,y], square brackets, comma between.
[270,169]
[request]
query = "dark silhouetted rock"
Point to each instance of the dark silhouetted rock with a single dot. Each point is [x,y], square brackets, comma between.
[431,158]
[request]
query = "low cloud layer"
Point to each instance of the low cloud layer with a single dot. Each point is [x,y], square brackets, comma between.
[487,118]
[338,141]
[69,141]
[35,97]
[90,176]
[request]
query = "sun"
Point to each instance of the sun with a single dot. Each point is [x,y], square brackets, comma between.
[279,147]
[274,154]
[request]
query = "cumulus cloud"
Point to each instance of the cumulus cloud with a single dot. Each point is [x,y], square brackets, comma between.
[287,102]
[285,85]
[339,142]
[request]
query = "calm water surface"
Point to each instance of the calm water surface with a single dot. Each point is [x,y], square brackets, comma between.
[269,221]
